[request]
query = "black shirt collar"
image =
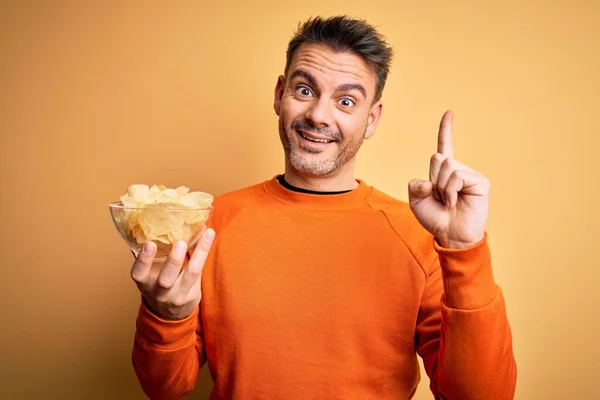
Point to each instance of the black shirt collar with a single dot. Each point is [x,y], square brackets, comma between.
[283,182]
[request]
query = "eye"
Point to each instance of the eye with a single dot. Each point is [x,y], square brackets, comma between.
[304,91]
[346,102]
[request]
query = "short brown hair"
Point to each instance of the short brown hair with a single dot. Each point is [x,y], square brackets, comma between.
[342,33]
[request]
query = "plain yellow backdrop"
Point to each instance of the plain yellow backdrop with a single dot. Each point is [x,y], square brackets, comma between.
[95,96]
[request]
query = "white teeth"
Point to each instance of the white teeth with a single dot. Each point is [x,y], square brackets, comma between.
[315,140]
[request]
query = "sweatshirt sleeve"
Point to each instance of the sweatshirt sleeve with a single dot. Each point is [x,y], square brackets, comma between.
[167,355]
[463,334]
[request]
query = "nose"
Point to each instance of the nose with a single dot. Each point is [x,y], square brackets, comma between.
[320,113]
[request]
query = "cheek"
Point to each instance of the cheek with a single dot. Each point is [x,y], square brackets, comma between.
[291,111]
[351,126]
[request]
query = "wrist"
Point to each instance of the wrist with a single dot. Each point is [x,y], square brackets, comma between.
[451,244]
[166,334]
[168,314]
[457,244]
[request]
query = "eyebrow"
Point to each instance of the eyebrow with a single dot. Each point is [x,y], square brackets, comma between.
[342,88]
[353,86]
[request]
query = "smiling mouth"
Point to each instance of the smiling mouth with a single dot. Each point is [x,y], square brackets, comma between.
[324,141]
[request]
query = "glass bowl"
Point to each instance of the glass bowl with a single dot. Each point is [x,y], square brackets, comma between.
[164,224]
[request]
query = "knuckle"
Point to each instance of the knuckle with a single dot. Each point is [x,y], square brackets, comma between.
[203,245]
[139,280]
[176,259]
[180,302]
[194,275]
[161,299]
[437,158]
[173,263]
[164,282]
[448,162]
[143,257]
[200,255]
[137,275]
[177,302]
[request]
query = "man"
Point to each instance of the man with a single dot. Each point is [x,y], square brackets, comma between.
[318,286]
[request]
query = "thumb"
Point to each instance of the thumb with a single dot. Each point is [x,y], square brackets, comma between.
[418,190]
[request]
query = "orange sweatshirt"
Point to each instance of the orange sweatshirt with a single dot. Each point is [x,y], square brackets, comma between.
[331,297]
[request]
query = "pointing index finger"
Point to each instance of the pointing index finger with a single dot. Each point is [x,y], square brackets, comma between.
[445,145]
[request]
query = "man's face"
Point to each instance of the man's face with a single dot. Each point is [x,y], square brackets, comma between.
[325,108]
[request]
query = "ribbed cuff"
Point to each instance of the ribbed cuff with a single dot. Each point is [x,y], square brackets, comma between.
[468,277]
[168,335]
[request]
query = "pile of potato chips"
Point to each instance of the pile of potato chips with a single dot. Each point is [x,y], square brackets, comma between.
[162,214]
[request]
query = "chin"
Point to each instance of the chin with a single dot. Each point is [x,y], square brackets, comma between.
[312,165]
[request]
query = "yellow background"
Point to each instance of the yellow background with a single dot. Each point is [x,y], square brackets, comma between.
[95,96]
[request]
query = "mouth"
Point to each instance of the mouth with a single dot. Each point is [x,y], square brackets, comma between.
[314,139]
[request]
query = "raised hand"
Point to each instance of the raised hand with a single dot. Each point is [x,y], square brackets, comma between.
[453,205]
[172,293]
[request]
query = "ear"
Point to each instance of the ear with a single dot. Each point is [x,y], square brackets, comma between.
[279,88]
[373,119]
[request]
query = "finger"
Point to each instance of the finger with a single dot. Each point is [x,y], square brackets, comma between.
[447,168]
[445,145]
[434,169]
[172,266]
[449,165]
[419,188]
[454,186]
[140,271]
[193,271]
[465,182]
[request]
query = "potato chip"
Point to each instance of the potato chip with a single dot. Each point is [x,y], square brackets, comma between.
[196,199]
[138,235]
[162,214]
[163,239]
[194,217]
[181,190]
[138,192]
[182,232]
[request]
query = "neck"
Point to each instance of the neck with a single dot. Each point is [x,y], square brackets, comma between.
[338,181]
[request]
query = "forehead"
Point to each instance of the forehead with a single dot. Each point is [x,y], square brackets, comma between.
[329,67]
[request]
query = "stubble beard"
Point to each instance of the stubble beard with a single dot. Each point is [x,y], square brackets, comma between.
[297,155]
